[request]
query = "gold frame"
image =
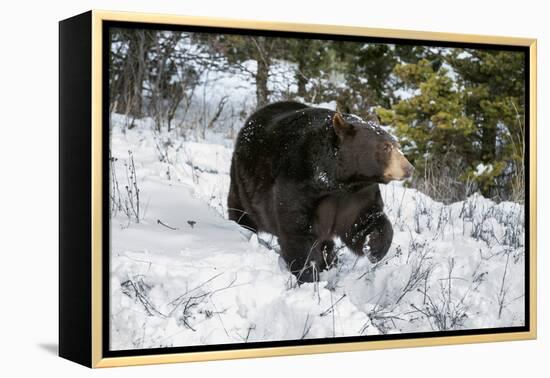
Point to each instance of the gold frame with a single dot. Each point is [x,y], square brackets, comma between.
[99,16]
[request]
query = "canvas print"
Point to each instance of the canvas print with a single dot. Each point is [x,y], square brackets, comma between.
[270,187]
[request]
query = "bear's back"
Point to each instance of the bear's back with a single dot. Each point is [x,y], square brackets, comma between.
[267,135]
[287,139]
[276,110]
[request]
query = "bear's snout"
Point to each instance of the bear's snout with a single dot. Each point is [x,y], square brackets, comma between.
[398,167]
[408,169]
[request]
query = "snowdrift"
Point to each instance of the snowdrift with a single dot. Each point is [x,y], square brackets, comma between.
[182,274]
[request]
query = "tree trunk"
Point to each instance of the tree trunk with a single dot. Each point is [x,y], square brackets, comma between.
[262,74]
[488,156]
[488,144]
[301,79]
[130,81]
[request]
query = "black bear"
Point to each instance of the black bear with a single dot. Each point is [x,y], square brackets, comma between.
[308,175]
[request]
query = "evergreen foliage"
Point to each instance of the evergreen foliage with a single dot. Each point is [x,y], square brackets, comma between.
[459,113]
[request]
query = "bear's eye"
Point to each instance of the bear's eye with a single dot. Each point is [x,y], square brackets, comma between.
[388,147]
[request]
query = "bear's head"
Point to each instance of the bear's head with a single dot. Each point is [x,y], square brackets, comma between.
[367,153]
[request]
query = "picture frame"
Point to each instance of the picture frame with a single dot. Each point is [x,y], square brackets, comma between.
[84,233]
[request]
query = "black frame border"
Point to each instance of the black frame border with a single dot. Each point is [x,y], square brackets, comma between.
[106,352]
[75,189]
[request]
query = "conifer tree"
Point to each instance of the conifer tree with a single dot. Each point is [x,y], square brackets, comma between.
[492,83]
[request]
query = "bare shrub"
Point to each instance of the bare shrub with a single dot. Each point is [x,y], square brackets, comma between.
[422,214]
[441,181]
[138,290]
[513,223]
[444,312]
[216,116]
[127,200]
[516,141]
[421,267]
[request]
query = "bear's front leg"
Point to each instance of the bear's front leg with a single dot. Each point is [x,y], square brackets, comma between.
[305,252]
[305,256]
[370,234]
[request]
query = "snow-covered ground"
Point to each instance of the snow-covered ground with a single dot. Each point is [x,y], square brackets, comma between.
[185,275]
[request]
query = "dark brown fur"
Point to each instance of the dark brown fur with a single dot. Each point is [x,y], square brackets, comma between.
[308,175]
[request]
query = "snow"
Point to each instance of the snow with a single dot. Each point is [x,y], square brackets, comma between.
[406,93]
[482,169]
[185,275]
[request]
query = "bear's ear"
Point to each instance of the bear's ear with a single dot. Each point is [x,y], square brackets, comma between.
[373,118]
[341,127]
